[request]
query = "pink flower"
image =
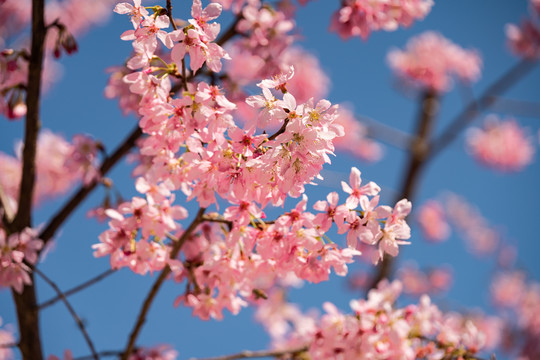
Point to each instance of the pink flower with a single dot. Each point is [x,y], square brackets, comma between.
[6,337]
[525,40]
[360,17]
[355,140]
[432,221]
[137,12]
[355,191]
[430,60]
[501,145]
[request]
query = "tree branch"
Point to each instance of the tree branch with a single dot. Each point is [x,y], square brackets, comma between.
[53,225]
[25,303]
[77,288]
[230,32]
[418,153]
[259,354]
[472,110]
[76,317]
[385,133]
[23,217]
[516,107]
[141,318]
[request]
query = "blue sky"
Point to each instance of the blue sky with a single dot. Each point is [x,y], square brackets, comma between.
[360,77]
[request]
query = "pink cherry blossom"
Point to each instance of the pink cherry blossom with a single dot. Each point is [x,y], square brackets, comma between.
[481,238]
[6,337]
[355,191]
[430,60]
[501,144]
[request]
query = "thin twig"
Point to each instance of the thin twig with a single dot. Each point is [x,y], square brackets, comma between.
[259,354]
[53,225]
[8,345]
[230,32]
[107,353]
[25,302]
[76,317]
[23,218]
[277,133]
[418,153]
[141,318]
[473,109]
[385,133]
[77,288]
[169,12]
[516,107]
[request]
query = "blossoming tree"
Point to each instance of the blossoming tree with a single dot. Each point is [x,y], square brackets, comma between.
[228,206]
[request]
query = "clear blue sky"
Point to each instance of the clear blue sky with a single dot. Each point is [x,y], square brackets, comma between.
[359,76]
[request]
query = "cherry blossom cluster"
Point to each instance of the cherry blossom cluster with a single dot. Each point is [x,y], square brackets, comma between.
[15,250]
[501,144]
[432,220]
[193,145]
[355,140]
[59,165]
[65,20]
[13,76]
[480,237]
[149,218]
[267,48]
[6,338]
[524,40]
[361,17]
[430,60]
[376,329]
[519,302]
[418,281]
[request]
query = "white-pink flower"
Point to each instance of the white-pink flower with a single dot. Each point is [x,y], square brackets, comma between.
[501,144]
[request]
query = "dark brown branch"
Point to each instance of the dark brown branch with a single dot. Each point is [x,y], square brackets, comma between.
[53,225]
[23,218]
[280,131]
[475,107]
[259,354]
[77,288]
[169,12]
[76,317]
[25,303]
[418,153]
[141,318]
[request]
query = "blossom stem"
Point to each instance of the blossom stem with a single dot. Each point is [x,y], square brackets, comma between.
[141,318]
[169,12]
[76,317]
